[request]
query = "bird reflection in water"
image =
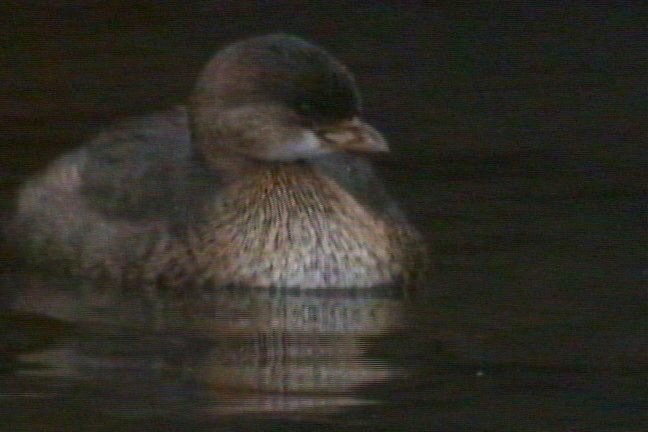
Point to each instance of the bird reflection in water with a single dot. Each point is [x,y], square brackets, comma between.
[296,350]
[279,352]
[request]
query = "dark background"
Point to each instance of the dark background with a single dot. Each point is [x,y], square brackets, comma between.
[558,85]
[518,136]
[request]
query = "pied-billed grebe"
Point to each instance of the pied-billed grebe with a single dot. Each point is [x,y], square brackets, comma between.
[260,181]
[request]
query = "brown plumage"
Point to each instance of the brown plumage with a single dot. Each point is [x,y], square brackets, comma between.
[252,185]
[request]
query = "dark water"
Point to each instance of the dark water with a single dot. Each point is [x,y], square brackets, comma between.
[517,138]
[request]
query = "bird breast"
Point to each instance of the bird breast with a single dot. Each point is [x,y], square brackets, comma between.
[292,226]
